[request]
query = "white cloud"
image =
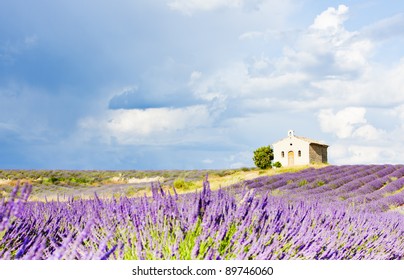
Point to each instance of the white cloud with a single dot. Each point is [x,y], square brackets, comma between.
[351,153]
[337,151]
[379,86]
[341,69]
[251,35]
[333,46]
[349,123]
[386,28]
[189,7]
[214,87]
[359,142]
[332,19]
[324,70]
[276,9]
[354,57]
[7,127]
[145,126]
[364,154]
[342,123]
[368,132]
[326,66]
[208,161]
[241,81]
[260,64]
[195,76]
[31,40]
[9,50]
[398,112]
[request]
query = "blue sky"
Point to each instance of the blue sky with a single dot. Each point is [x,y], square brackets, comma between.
[192,84]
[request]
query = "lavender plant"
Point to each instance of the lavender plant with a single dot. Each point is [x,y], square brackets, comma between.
[337,212]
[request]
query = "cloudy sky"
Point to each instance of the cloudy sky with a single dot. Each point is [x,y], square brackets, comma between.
[191,84]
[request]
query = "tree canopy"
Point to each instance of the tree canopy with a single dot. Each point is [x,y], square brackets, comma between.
[263,157]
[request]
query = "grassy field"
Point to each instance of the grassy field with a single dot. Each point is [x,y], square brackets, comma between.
[62,184]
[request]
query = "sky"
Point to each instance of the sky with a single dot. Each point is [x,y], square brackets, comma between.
[197,84]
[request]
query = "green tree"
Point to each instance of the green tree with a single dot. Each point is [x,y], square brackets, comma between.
[263,157]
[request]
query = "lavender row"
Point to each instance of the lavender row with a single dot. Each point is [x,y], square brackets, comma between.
[353,184]
[251,224]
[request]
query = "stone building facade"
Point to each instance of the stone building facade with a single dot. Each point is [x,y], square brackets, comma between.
[297,150]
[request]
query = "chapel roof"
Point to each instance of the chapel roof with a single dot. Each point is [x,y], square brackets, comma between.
[310,141]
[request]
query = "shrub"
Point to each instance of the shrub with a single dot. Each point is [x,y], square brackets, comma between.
[263,157]
[131,191]
[225,172]
[181,184]
[320,183]
[302,183]
[277,164]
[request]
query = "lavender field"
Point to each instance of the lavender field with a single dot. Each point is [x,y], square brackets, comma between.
[335,212]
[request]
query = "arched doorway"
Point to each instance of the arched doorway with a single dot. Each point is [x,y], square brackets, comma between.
[291,158]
